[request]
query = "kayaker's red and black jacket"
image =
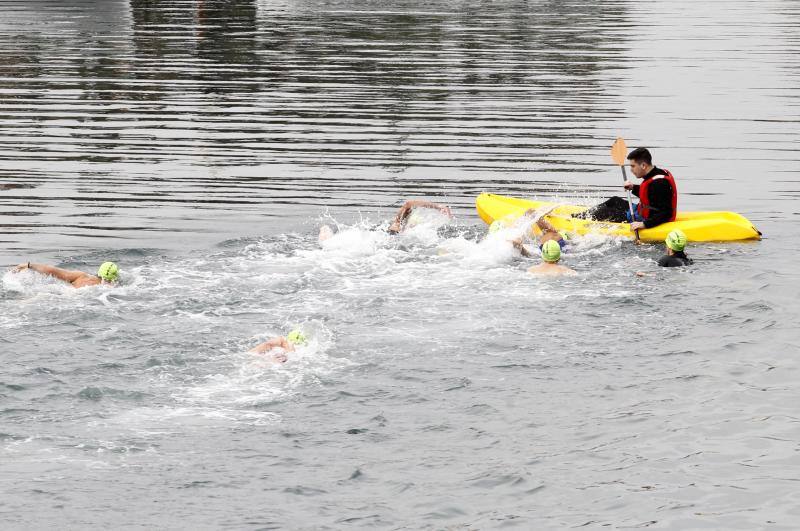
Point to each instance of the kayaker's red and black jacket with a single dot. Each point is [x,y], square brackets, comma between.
[658,197]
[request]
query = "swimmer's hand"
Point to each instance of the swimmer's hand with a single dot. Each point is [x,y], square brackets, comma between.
[280,357]
[517,243]
[21,267]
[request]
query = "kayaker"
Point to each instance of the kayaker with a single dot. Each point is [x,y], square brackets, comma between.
[676,255]
[551,254]
[277,348]
[658,196]
[400,222]
[107,273]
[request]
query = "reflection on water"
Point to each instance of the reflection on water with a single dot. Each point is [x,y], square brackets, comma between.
[209,119]
[169,116]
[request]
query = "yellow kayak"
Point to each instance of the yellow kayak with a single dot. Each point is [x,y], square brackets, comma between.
[698,226]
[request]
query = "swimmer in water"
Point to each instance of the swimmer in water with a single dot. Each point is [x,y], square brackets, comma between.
[548,232]
[400,222]
[676,255]
[277,348]
[108,273]
[551,254]
[325,233]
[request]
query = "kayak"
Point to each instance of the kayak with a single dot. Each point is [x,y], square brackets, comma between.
[698,226]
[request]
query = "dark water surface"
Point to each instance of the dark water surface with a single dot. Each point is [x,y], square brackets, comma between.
[200,144]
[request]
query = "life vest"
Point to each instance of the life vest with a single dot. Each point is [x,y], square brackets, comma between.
[644,198]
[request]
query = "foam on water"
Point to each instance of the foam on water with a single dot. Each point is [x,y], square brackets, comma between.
[196,144]
[172,360]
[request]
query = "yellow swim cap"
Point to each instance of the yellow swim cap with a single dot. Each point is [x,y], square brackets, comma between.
[676,240]
[296,337]
[108,271]
[551,251]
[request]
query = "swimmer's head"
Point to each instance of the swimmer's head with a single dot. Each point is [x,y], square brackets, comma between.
[551,251]
[497,225]
[676,240]
[108,271]
[325,233]
[296,337]
[414,219]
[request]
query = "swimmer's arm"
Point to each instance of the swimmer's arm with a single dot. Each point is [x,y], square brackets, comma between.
[545,225]
[402,214]
[61,274]
[517,243]
[266,346]
[397,224]
[420,203]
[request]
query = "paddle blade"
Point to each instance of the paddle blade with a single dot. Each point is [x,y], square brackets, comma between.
[619,151]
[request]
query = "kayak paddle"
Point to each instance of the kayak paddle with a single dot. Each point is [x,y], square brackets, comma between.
[618,152]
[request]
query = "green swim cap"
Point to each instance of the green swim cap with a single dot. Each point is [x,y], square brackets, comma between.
[497,225]
[676,240]
[414,219]
[108,271]
[551,251]
[296,337]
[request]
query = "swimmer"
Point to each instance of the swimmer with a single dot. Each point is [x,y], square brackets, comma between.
[277,348]
[676,255]
[548,231]
[400,222]
[325,233]
[108,273]
[501,224]
[551,254]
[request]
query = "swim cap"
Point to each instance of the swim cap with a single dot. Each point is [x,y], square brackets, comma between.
[108,271]
[497,225]
[551,251]
[296,337]
[414,219]
[676,240]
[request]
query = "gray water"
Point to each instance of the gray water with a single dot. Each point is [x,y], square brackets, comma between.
[201,144]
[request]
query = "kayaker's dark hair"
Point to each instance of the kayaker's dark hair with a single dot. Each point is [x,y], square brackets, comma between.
[641,155]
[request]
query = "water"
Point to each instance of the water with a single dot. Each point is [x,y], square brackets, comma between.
[202,144]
